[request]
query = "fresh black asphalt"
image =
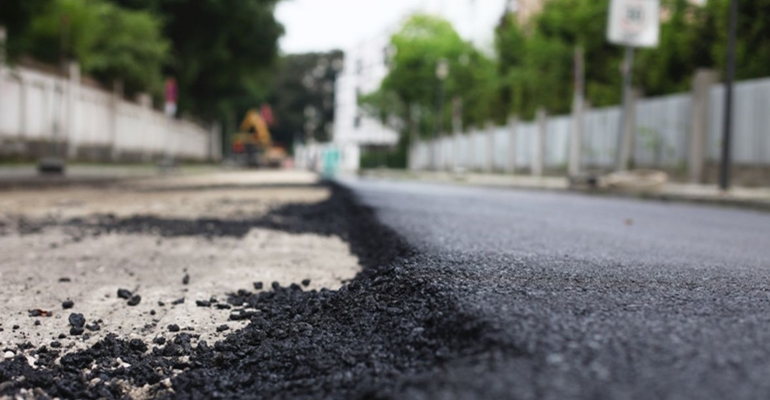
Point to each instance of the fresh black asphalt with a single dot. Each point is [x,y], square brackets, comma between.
[592,297]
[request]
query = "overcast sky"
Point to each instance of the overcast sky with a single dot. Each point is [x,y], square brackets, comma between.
[321,25]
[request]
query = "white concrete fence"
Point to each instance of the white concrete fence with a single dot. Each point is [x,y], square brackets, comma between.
[681,131]
[40,109]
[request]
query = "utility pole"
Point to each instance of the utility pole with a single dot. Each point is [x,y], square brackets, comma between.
[724,170]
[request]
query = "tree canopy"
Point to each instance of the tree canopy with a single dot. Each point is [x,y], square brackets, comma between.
[220,52]
[418,47]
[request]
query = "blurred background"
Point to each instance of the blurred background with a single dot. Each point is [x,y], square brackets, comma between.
[345,85]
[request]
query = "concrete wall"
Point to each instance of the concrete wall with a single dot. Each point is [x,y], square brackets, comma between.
[42,113]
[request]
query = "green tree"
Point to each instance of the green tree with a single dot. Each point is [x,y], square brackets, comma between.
[109,42]
[16,16]
[684,46]
[222,51]
[536,61]
[421,43]
[753,33]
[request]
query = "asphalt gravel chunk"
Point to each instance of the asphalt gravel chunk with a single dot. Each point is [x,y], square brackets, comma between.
[77,320]
[134,300]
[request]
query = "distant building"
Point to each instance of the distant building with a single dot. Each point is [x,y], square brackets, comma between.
[525,9]
[364,69]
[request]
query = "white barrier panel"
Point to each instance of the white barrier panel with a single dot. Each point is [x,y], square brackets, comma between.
[39,107]
[661,135]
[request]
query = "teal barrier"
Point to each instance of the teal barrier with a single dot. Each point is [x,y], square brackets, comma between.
[331,159]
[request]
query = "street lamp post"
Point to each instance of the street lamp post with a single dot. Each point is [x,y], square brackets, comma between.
[442,72]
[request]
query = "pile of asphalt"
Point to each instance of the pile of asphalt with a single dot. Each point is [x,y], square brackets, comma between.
[392,326]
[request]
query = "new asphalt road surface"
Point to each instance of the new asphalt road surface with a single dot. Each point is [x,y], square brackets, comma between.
[591,297]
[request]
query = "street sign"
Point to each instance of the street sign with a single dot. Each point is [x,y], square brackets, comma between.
[634,23]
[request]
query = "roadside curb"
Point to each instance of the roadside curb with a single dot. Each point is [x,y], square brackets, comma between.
[558,184]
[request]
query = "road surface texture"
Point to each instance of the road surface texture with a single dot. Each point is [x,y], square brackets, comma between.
[589,298]
[465,293]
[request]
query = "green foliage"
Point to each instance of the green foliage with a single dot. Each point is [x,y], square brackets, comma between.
[132,50]
[683,48]
[16,16]
[69,29]
[222,51]
[753,45]
[386,157]
[536,61]
[419,46]
[109,42]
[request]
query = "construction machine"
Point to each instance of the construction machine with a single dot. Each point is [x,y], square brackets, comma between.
[253,144]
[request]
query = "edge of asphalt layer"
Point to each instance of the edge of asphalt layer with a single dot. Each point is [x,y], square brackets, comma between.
[755,205]
[391,327]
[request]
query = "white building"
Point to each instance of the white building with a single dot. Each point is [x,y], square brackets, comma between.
[364,69]
[366,66]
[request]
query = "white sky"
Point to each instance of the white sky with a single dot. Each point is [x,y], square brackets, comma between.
[321,25]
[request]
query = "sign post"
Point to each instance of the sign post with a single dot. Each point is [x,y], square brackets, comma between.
[633,23]
[724,168]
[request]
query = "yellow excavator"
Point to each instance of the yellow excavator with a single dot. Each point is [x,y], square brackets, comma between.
[255,145]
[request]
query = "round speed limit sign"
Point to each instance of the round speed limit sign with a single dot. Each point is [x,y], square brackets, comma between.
[634,23]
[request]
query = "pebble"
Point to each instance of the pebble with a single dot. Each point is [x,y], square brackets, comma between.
[124,293]
[67,304]
[77,320]
[134,300]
